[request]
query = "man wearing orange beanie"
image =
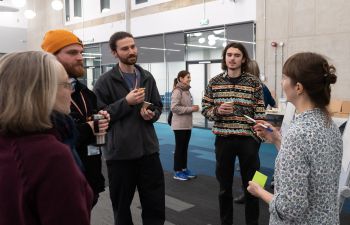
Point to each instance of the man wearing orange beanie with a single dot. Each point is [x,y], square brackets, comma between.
[68,49]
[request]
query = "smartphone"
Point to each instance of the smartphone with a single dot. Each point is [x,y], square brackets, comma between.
[146,105]
[254,121]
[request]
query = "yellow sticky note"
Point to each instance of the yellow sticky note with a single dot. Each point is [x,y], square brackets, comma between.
[260,178]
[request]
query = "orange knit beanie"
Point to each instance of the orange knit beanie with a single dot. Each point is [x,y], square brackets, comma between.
[55,40]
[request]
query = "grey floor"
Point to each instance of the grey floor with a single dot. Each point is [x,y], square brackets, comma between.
[191,202]
[102,214]
[187,203]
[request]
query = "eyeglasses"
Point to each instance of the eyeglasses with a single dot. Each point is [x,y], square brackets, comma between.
[67,85]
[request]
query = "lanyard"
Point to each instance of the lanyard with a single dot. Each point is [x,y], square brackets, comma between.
[77,107]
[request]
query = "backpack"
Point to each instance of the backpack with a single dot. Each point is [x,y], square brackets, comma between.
[170,116]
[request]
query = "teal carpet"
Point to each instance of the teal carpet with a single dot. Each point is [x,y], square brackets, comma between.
[201,156]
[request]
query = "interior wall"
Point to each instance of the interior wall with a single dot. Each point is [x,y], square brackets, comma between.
[183,18]
[13,30]
[315,25]
[13,39]
[173,15]
[46,19]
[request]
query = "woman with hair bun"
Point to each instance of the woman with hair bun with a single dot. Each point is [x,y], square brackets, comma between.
[308,163]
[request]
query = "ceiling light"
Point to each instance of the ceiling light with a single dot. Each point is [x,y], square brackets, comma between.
[29,14]
[197,46]
[91,53]
[201,40]
[218,31]
[57,5]
[162,49]
[198,34]
[211,37]
[19,3]
[211,42]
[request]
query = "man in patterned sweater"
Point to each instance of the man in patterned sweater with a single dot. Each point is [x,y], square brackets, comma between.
[228,97]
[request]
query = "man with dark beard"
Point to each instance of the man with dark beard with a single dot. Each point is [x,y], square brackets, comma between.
[132,150]
[68,50]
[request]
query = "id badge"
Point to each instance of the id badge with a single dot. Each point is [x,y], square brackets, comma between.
[93,150]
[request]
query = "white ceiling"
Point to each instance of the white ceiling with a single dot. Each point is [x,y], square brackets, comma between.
[6,6]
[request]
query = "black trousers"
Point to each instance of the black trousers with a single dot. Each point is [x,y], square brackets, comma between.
[182,138]
[226,150]
[147,175]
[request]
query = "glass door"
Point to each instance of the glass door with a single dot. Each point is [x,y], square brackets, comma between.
[201,72]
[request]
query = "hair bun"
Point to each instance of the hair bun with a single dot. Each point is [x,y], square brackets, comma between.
[331,77]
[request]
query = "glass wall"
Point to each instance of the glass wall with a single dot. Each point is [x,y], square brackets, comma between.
[164,55]
[206,44]
[204,49]
[92,63]
[201,73]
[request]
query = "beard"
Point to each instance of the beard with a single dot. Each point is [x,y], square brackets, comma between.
[130,60]
[75,70]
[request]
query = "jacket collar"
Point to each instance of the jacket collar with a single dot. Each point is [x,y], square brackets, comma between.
[78,86]
[183,86]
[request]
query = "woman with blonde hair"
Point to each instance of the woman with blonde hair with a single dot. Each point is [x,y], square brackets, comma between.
[40,182]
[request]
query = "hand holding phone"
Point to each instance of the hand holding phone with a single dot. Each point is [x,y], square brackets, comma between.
[146,105]
[147,114]
[260,124]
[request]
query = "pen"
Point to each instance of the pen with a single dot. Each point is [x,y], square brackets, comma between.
[254,121]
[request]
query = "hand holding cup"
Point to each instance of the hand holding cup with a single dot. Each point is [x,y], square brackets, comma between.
[100,127]
[136,96]
[226,108]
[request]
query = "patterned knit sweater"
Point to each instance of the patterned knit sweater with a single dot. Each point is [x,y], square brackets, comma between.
[245,92]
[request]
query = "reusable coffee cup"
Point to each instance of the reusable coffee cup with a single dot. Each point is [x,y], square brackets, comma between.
[100,138]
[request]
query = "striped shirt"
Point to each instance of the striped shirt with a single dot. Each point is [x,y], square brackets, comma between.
[245,92]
